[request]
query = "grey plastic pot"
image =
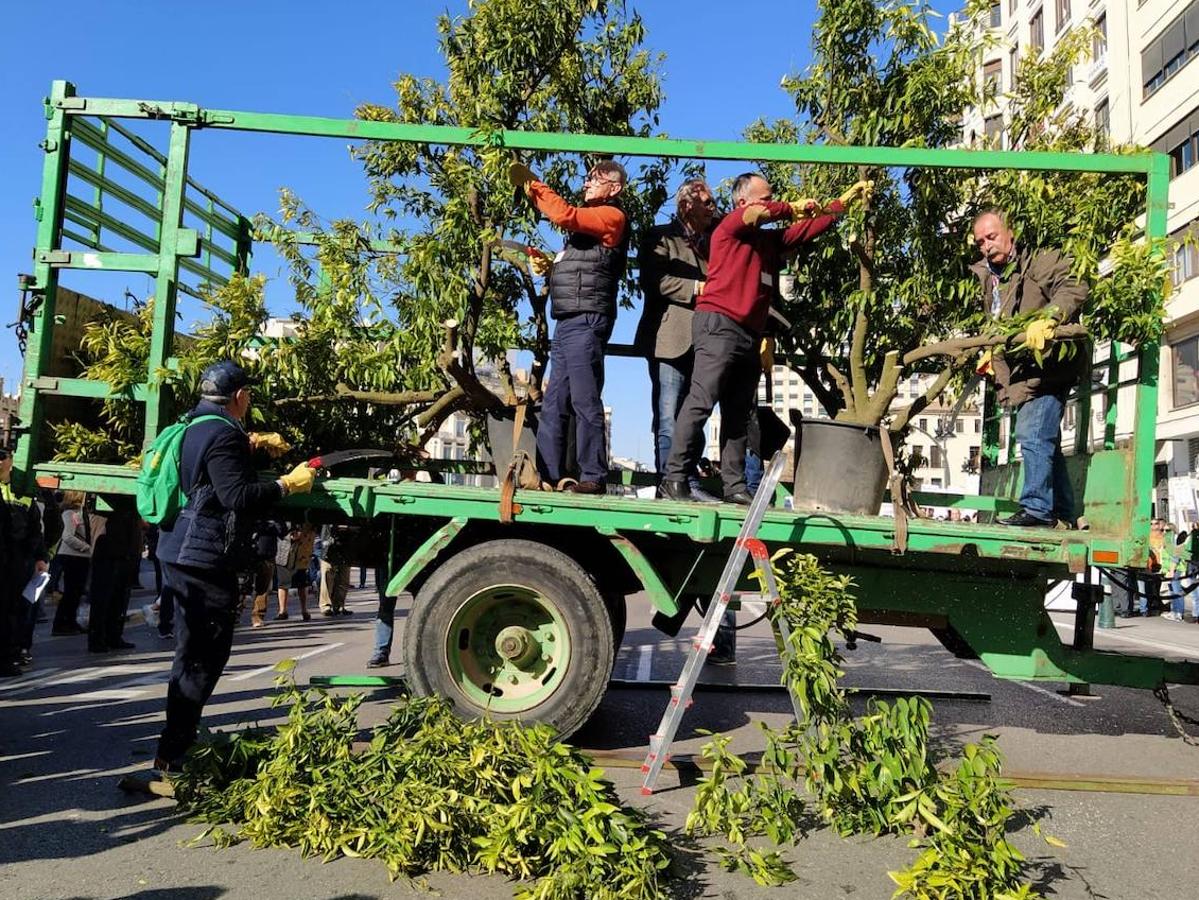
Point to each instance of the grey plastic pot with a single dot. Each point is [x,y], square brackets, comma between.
[839,467]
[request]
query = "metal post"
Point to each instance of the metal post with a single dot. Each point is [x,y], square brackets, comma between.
[1086,598]
[1107,609]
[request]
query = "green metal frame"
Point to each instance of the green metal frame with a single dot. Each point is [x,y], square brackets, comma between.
[1013,562]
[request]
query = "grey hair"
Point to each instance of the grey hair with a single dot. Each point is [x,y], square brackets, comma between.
[687,191]
[995,211]
[741,183]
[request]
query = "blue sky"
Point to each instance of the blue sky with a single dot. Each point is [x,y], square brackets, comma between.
[311,58]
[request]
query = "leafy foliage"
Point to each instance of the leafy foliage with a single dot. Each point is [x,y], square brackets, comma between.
[429,792]
[881,76]
[871,774]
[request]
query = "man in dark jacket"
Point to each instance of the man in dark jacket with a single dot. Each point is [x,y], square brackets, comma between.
[22,554]
[584,280]
[203,550]
[674,266]
[1017,280]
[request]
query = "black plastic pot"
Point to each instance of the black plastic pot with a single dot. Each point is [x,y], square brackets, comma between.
[839,467]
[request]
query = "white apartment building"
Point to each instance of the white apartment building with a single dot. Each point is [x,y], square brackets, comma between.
[1142,86]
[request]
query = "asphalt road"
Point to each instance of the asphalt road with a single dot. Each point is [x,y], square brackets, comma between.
[73,725]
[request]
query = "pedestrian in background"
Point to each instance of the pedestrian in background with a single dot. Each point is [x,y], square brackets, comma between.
[74,557]
[266,546]
[291,568]
[116,556]
[336,543]
[22,554]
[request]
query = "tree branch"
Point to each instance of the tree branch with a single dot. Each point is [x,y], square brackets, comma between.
[479,396]
[957,346]
[901,419]
[379,398]
[842,383]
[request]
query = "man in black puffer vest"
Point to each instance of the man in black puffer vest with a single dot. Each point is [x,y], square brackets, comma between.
[584,279]
[203,550]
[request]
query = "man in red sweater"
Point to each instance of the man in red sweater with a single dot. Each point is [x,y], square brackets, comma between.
[730,315]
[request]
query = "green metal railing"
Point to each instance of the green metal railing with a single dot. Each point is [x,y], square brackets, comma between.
[165,248]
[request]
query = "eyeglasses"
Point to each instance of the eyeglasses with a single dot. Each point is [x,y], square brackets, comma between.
[598,178]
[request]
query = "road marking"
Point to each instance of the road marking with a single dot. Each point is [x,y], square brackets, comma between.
[1028,685]
[645,661]
[29,679]
[253,673]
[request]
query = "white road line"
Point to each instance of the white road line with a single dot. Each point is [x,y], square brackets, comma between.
[30,679]
[645,661]
[1189,652]
[253,673]
[1028,686]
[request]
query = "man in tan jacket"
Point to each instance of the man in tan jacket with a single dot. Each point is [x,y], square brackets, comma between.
[1017,280]
[674,266]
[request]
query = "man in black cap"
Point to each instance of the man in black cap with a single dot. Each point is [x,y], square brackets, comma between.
[200,549]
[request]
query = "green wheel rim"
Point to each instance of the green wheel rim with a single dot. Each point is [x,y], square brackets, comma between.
[508,648]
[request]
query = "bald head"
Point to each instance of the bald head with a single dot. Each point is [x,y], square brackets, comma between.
[993,238]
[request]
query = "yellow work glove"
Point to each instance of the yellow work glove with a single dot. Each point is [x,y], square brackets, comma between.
[1037,333]
[271,441]
[541,264]
[520,175]
[983,366]
[298,480]
[859,191]
[807,208]
[766,354]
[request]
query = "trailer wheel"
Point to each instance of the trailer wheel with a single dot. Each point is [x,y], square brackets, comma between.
[618,612]
[511,629]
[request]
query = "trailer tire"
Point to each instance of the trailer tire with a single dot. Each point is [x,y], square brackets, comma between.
[618,612]
[511,629]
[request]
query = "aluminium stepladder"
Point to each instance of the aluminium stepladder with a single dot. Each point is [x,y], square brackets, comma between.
[746,544]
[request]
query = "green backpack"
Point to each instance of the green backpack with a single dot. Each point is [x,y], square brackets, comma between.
[160,494]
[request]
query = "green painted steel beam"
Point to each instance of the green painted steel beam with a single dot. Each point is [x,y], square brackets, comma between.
[83,387]
[609,144]
[423,555]
[115,262]
[659,594]
[45,280]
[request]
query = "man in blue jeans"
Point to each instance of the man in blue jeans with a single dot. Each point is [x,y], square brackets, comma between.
[674,266]
[1017,280]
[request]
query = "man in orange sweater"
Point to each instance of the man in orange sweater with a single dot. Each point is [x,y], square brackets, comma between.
[583,281]
[730,315]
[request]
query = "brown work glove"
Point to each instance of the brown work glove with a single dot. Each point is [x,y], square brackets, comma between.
[520,175]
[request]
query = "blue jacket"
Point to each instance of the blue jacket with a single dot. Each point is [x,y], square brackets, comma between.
[224,495]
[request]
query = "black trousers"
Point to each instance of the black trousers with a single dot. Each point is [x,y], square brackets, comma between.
[74,580]
[206,603]
[726,370]
[108,594]
[10,617]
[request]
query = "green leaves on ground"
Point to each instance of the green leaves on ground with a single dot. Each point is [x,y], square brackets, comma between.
[428,793]
[870,774]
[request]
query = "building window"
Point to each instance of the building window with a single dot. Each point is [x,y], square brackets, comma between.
[1103,118]
[1063,15]
[1099,41]
[1185,257]
[1036,31]
[993,74]
[996,14]
[934,456]
[924,424]
[1181,143]
[1185,356]
[1177,45]
[1013,63]
[959,427]
[993,132]
[978,426]
[935,482]
[1011,6]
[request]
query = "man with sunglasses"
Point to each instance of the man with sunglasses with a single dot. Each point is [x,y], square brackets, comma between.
[583,281]
[22,553]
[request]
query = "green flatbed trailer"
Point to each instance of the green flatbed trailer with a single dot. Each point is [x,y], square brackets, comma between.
[525,617]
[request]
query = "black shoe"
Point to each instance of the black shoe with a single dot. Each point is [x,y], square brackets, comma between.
[674,490]
[10,670]
[1024,519]
[378,661]
[120,644]
[97,648]
[741,498]
[328,613]
[61,630]
[346,612]
[25,658]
